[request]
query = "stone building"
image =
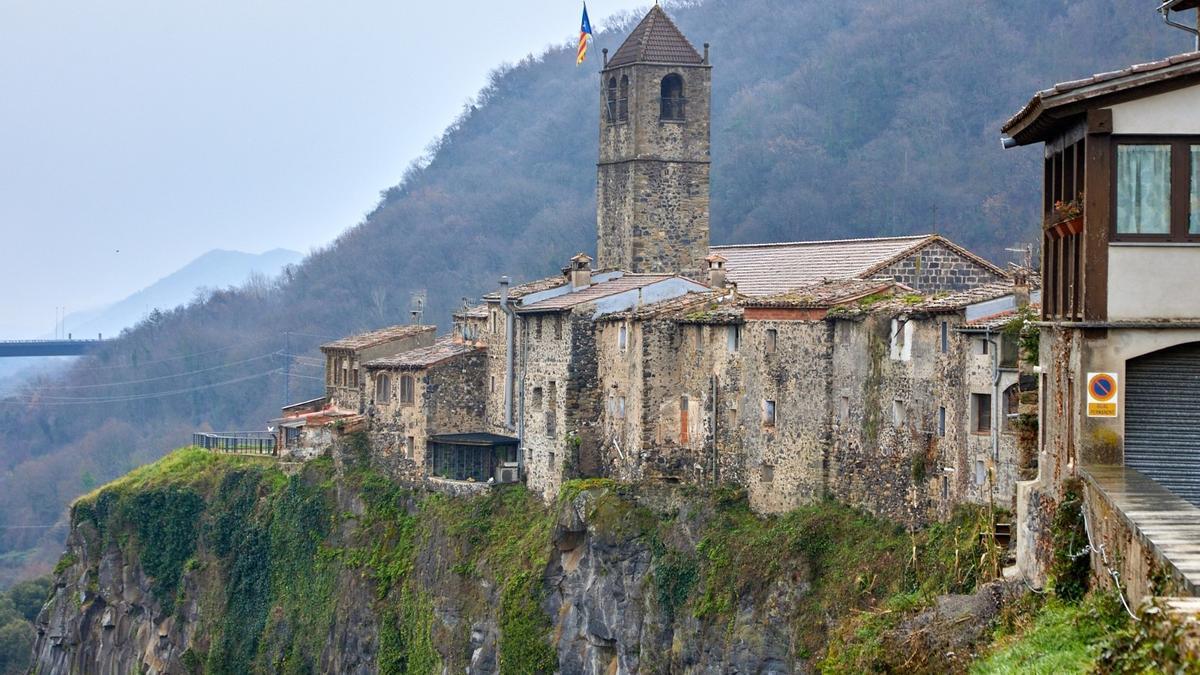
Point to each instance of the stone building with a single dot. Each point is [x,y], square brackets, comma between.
[344,382]
[422,394]
[867,369]
[652,181]
[1120,336]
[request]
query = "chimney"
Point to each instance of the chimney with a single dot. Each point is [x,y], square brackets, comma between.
[716,270]
[1020,277]
[581,272]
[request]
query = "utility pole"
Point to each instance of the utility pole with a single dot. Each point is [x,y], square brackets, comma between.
[287,367]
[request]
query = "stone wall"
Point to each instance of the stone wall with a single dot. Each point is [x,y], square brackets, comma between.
[448,398]
[652,187]
[545,375]
[936,268]
[890,453]
[992,469]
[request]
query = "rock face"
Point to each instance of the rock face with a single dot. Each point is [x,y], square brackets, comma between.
[602,604]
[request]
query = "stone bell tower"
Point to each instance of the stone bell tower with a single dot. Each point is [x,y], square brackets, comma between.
[652,182]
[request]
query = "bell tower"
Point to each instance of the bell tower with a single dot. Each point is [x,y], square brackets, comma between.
[652,181]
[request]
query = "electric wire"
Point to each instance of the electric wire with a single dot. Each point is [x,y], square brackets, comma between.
[156,379]
[175,358]
[62,401]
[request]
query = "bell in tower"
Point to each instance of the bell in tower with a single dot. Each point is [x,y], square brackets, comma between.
[652,181]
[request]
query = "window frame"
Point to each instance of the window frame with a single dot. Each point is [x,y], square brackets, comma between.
[981,403]
[676,110]
[409,383]
[1181,188]
[770,413]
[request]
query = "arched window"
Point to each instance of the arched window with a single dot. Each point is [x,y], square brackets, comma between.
[672,98]
[623,100]
[611,99]
[406,389]
[383,388]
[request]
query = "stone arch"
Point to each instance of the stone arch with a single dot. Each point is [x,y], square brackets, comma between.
[671,106]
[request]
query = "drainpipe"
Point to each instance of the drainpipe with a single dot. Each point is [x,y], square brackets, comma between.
[1165,10]
[509,324]
[521,411]
[996,415]
[716,476]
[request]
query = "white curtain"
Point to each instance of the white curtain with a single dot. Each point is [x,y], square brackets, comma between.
[1195,201]
[1144,189]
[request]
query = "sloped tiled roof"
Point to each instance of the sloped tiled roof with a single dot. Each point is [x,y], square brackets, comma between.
[594,292]
[770,269]
[476,312]
[655,40]
[1048,108]
[529,287]
[444,349]
[377,337]
[829,293]
[997,321]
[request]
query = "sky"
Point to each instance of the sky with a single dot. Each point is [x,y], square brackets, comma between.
[135,135]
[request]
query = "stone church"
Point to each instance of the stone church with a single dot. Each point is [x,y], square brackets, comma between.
[873,370]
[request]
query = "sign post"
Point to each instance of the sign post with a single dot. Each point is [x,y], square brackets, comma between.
[1102,395]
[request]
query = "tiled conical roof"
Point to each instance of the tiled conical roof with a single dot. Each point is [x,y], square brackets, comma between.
[656,40]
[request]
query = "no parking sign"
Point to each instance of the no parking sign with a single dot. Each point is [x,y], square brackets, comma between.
[1102,392]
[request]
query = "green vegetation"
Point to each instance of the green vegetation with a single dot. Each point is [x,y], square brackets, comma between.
[19,606]
[1071,566]
[1063,637]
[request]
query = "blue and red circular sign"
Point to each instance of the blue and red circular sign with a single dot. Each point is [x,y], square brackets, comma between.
[1102,387]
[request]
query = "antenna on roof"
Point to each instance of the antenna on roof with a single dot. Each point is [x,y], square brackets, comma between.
[1181,6]
[418,306]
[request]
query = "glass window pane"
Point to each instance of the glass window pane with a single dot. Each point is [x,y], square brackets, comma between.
[1144,189]
[1194,228]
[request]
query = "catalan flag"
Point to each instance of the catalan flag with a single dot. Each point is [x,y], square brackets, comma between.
[585,36]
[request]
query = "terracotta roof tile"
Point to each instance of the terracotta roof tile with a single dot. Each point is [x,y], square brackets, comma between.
[829,293]
[655,40]
[996,321]
[377,337]
[1042,113]
[444,349]
[537,286]
[770,269]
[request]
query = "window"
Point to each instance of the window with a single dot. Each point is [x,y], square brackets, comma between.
[621,407]
[901,349]
[1143,189]
[980,472]
[733,335]
[537,398]
[551,423]
[538,327]
[768,413]
[772,340]
[844,409]
[683,420]
[672,101]
[1012,404]
[354,377]
[623,100]
[767,473]
[493,384]
[1194,193]
[612,99]
[623,337]
[383,388]
[983,347]
[899,413]
[410,447]
[406,389]
[981,413]
[558,322]
[945,337]
[945,488]
[941,421]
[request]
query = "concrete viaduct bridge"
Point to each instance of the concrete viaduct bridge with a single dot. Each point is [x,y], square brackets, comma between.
[13,348]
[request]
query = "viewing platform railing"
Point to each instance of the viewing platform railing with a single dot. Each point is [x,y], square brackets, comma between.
[237,442]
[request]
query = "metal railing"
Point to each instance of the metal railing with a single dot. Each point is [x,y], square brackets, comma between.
[237,442]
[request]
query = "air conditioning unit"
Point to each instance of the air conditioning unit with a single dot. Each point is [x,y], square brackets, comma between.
[508,473]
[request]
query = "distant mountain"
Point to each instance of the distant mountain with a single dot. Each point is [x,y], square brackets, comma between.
[217,269]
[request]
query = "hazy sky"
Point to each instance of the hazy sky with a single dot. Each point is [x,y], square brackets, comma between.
[166,128]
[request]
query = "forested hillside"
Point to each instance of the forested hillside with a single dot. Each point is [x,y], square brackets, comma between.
[830,120]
